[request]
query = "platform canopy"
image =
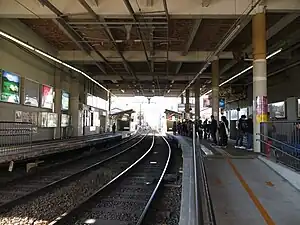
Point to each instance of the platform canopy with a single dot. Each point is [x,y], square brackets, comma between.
[122,113]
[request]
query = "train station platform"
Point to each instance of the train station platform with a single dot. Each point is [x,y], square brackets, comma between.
[38,149]
[244,188]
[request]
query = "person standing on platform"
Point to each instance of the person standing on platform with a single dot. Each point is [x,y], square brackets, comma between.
[174,128]
[241,131]
[213,129]
[114,128]
[224,131]
[249,133]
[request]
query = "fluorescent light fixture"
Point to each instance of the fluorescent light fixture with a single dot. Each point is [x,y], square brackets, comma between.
[168,91]
[244,71]
[15,40]
[90,221]
[122,91]
[274,53]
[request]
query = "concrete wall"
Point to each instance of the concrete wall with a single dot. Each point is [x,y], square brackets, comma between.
[280,87]
[18,61]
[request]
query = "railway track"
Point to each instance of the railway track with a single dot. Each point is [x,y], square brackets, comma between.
[18,193]
[8,177]
[125,199]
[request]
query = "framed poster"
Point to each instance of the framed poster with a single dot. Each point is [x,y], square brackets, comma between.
[65,98]
[31,93]
[34,118]
[277,110]
[10,87]
[18,116]
[26,117]
[64,120]
[51,120]
[299,107]
[47,97]
[42,119]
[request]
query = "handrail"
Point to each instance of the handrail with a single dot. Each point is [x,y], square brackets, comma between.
[280,142]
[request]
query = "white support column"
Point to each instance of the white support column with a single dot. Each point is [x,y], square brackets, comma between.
[260,102]
[215,88]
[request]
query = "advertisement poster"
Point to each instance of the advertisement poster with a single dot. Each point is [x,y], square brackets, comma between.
[65,98]
[261,109]
[298,107]
[31,93]
[34,118]
[52,120]
[47,97]
[64,120]
[43,119]
[26,117]
[10,87]
[18,116]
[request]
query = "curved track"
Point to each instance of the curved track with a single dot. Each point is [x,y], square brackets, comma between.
[126,198]
[17,192]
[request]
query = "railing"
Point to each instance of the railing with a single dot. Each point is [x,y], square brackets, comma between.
[13,135]
[280,141]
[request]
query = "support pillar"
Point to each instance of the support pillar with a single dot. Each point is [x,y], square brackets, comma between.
[57,104]
[260,103]
[197,100]
[182,99]
[76,115]
[215,88]
[187,103]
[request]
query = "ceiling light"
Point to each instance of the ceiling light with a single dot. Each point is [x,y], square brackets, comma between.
[168,91]
[40,52]
[244,71]
[16,40]
[122,91]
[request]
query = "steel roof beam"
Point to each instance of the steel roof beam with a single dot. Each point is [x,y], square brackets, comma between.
[71,33]
[130,9]
[189,42]
[271,32]
[109,35]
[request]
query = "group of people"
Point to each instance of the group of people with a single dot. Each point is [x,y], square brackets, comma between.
[218,131]
[205,129]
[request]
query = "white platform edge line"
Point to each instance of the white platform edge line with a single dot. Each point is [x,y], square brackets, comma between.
[289,175]
[206,150]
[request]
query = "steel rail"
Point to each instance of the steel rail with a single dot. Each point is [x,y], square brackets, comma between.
[9,205]
[63,219]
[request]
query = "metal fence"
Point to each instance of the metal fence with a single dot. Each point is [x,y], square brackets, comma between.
[280,140]
[14,135]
